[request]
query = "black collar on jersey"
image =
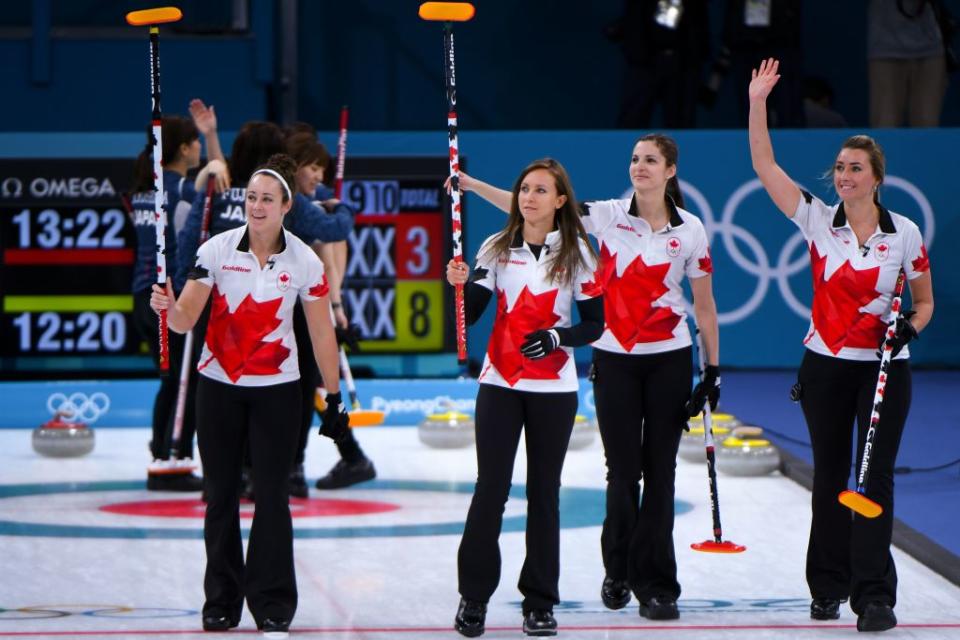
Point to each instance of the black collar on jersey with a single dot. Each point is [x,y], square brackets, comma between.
[518,240]
[675,219]
[245,241]
[886,220]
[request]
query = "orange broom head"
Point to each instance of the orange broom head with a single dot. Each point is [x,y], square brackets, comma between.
[447,11]
[160,15]
[366,417]
[860,504]
[711,546]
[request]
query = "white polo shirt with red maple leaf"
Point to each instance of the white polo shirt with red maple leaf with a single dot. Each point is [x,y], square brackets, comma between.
[853,284]
[642,272]
[527,301]
[250,340]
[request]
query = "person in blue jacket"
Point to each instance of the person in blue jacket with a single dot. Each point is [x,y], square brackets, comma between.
[353,466]
[180,154]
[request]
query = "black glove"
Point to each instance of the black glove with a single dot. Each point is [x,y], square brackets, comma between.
[540,343]
[902,334]
[335,421]
[348,336]
[707,389]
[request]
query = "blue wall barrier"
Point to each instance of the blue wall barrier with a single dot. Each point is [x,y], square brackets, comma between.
[762,275]
[128,403]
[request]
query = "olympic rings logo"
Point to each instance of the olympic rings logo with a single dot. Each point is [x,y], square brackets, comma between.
[786,264]
[78,407]
[44,611]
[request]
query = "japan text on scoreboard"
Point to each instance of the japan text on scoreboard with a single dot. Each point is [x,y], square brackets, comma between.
[395,287]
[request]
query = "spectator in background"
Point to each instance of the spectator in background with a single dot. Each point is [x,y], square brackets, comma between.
[180,154]
[754,30]
[665,44]
[818,108]
[353,466]
[906,63]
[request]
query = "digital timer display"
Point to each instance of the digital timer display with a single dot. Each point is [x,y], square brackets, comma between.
[67,249]
[66,254]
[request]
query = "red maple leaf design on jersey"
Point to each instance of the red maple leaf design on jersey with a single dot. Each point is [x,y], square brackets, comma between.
[236,339]
[706,263]
[530,312]
[320,289]
[628,301]
[922,263]
[837,302]
[593,288]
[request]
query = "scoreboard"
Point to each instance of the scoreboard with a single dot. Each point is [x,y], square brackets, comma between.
[66,254]
[67,250]
[395,287]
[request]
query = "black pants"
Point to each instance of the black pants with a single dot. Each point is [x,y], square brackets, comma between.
[547,421]
[165,402]
[640,411]
[269,416]
[310,379]
[849,555]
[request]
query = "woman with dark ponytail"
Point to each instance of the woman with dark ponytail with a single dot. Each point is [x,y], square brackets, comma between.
[180,154]
[857,251]
[256,142]
[249,392]
[642,366]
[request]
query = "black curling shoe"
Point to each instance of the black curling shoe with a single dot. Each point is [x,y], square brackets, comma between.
[470,618]
[539,622]
[216,622]
[876,616]
[275,628]
[346,474]
[659,608]
[825,608]
[614,593]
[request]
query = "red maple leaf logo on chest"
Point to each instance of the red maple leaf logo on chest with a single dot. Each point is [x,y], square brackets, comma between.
[236,339]
[529,313]
[628,301]
[837,302]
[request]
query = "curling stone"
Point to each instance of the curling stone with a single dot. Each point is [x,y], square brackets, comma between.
[746,454]
[727,420]
[58,438]
[448,430]
[584,431]
[691,442]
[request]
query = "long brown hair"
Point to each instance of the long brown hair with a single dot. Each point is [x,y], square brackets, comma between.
[671,153]
[175,131]
[878,162]
[568,260]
